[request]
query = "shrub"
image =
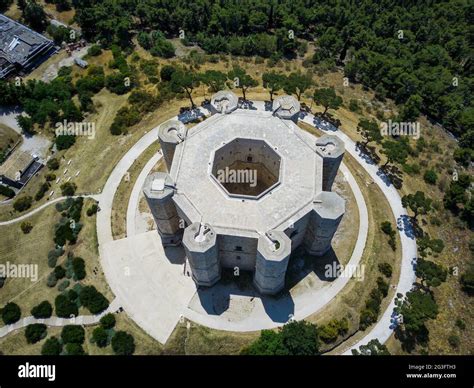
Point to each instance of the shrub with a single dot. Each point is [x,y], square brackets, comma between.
[92,210]
[460,324]
[79,268]
[65,284]
[367,317]
[385,269]
[26,227]
[42,191]
[100,337]
[166,72]
[107,321]
[35,332]
[73,349]
[123,343]
[430,177]
[73,334]
[43,310]
[454,341]
[93,300]
[11,313]
[65,308]
[23,203]
[52,347]
[52,280]
[382,286]
[68,189]
[467,281]
[53,164]
[64,142]
[50,177]
[6,191]
[53,256]
[94,50]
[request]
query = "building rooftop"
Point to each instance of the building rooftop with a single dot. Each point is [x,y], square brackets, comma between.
[204,200]
[16,165]
[20,46]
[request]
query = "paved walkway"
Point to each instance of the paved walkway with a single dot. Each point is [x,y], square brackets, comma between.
[56,321]
[384,327]
[381,330]
[97,197]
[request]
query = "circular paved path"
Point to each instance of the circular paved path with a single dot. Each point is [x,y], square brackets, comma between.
[381,330]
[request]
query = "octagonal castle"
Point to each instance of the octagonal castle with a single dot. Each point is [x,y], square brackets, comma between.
[244,189]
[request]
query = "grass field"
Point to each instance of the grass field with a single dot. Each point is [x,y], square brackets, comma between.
[33,248]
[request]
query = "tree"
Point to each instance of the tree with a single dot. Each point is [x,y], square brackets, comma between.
[65,308]
[43,310]
[63,142]
[107,321]
[373,348]
[93,299]
[26,227]
[26,124]
[273,82]
[295,338]
[22,204]
[242,80]
[297,83]
[411,110]
[11,313]
[73,334]
[52,347]
[185,81]
[100,337]
[327,98]
[418,307]
[68,189]
[430,273]
[5,4]
[35,332]
[214,79]
[35,16]
[417,203]
[395,151]
[123,343]
[369,130]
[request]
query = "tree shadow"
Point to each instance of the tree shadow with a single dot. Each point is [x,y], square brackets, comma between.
[268,106]
[246,104]
[368,153]
[394,174]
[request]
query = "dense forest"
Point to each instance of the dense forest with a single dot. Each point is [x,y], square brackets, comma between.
[417,52]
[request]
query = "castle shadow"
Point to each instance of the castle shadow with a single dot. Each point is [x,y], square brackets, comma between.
[302,264]
[216,300]
[175,255]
